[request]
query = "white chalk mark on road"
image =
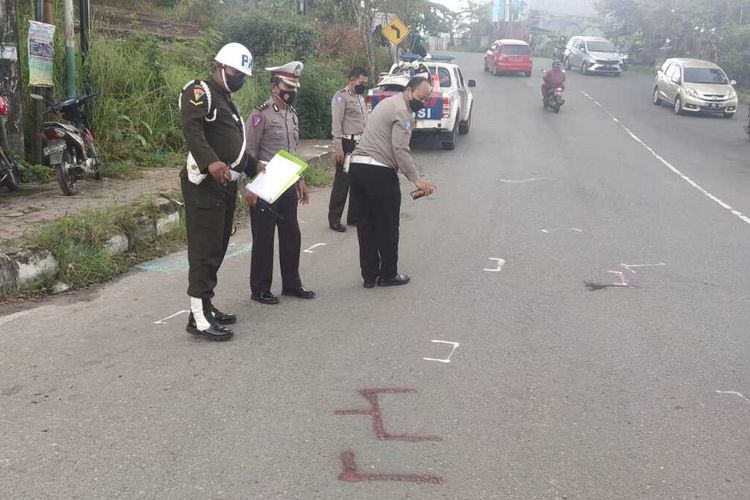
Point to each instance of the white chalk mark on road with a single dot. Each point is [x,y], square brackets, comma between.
[500,264]
[448,359]
[734,393]
[630,266]
[523,181]
[622,278]
[163,321]
[310,250]
[569,229]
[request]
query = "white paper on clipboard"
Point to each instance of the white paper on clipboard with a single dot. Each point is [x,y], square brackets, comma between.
[280,174]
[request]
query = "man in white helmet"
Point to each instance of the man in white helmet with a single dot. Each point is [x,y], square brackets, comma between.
[215,136]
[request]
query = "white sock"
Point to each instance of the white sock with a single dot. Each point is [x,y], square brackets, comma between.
[196,307]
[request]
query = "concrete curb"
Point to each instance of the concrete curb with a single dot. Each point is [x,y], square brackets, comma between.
[31,266]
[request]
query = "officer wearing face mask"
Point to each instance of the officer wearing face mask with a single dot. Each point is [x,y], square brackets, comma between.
[215,137]
[382,153]
[272,127]
[348,118]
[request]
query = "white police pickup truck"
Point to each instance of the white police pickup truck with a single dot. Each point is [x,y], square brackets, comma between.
[448,112]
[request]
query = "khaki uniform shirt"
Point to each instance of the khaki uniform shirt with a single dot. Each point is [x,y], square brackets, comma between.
[387,135]
[348,115]
[271,129]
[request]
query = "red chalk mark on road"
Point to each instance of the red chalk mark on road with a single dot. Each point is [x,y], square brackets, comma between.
[351,475]
[371,395]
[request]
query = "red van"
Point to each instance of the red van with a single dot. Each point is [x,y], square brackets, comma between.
[508,56]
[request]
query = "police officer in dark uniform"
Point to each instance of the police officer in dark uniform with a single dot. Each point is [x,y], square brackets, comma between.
[348,118]
[272,127]
[215,136]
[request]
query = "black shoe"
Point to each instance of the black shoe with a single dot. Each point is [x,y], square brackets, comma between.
[369,284]
[398,280]
[223,318]
[299,292]
[265,298]
[214,332]
[338,227]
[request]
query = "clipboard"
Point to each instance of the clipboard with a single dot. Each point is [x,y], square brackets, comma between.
[280,174]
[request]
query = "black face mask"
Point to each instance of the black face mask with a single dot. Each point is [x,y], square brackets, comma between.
[233,82]
[360,89]
[416,105]
[287,96]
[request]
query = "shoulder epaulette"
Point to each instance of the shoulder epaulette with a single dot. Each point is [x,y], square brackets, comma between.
[262,107]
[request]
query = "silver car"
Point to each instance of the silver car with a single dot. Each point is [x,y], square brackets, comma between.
[693,85]
[591,55]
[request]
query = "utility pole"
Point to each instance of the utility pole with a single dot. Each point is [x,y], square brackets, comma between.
[70,49]
[10,78]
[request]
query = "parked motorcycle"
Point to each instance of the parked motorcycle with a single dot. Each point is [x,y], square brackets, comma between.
[554,99]
[70,146]
[8,166]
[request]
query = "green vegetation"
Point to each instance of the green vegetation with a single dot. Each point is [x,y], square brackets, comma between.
[78,242]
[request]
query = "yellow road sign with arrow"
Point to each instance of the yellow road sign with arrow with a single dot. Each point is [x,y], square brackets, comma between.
[395,31]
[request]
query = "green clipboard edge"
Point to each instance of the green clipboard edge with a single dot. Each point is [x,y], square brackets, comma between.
[299,161]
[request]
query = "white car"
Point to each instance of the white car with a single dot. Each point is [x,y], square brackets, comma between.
[448,113]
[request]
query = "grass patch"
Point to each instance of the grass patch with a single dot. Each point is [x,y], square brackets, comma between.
[78,242]
[29,172]
[318,175]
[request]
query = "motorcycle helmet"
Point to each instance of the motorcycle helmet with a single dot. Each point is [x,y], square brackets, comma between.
[237,56]
[3,107]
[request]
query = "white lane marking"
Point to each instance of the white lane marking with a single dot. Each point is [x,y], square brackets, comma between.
[310,250]
[598,103]
[448,359]
[622,279]
[587,96]
[11,317]
[630,266]
[500,264]
[163,321]
[576,229]
[734,393]
[522,181]
[684,177]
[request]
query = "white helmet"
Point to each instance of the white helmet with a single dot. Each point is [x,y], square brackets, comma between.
[235,55]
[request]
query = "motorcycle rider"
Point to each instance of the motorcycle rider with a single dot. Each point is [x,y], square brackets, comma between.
[559,51]
[553,79]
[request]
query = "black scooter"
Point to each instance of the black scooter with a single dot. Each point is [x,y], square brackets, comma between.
[70,147]
[554,99]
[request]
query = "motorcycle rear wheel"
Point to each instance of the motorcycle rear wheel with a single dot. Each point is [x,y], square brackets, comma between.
[11,181]
[68,184]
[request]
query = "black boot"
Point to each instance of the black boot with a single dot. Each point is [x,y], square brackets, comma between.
[223,318]
[213,332]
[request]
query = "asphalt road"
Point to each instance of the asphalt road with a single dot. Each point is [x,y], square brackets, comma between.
[562,386]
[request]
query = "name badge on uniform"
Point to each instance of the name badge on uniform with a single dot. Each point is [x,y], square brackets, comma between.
[407,124]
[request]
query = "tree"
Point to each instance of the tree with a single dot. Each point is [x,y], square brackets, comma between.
[364,13]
